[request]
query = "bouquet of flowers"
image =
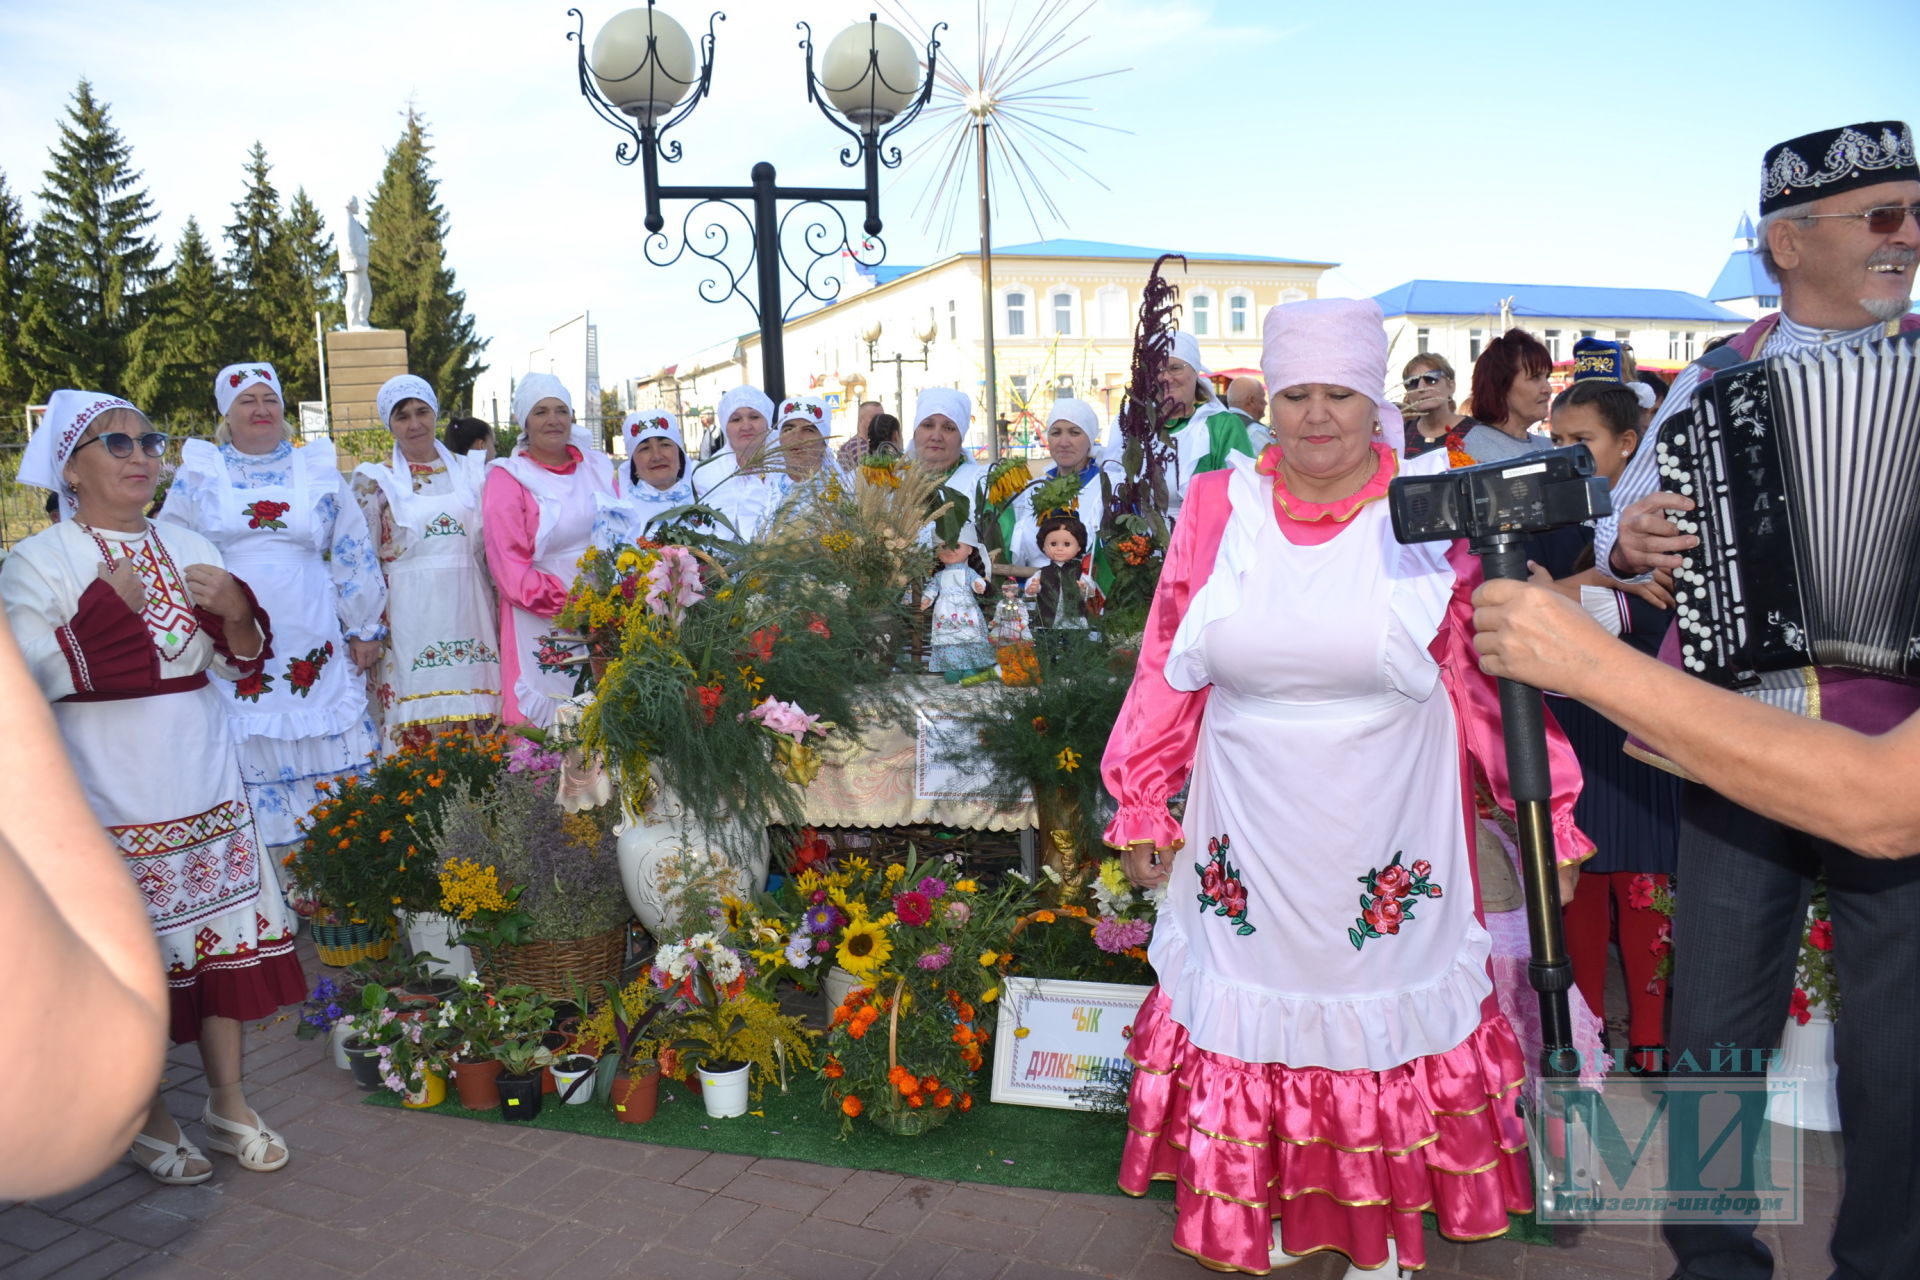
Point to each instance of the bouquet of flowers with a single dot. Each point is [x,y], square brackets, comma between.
[369,843]
[717,1021]
[920,938]
[1107,943]
[1814,983]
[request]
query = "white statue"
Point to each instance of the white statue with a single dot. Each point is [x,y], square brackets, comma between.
[353,265]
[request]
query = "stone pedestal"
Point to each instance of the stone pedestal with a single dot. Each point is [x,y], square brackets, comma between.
[358,361]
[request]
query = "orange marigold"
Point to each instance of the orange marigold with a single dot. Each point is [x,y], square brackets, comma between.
[966,1102]
[1043,917]
[944,1098]
[851,1105]
[856,1028]
[833,1070]
[916,1101]
[930,1084]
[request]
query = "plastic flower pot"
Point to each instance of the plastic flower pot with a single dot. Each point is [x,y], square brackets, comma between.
[636,1098]
[520,1096]
[337,1036]
[478,1084]
[363,1060]
[573,1079]
[724,1092]
[431,1093]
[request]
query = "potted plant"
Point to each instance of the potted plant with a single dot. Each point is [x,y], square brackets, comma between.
[475,1021]
[522,1052]
[736,1038]
[537,888]
[324,1012]
[374,1030]
[626,1031]
[368,845]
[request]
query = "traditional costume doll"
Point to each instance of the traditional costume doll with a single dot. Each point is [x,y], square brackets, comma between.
[959,640]
[1063,592]
[1012,636]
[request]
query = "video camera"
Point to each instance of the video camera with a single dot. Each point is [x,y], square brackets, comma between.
[1500,500]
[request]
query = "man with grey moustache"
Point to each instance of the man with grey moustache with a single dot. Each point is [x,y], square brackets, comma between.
[1840,231]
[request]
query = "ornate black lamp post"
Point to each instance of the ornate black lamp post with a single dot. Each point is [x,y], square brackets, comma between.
[641,78]
[871,336]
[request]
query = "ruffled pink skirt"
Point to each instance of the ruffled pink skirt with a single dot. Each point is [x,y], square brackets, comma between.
[1341,1159]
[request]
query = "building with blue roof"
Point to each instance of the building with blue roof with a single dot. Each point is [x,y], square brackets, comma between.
[1667,328]
[1743,285]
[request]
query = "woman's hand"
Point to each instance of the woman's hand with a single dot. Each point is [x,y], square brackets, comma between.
[215,590]
[124,578]
[1569,881]
[1144,865]
[364,653]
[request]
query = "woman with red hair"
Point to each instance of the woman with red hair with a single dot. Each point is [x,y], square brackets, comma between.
[1510,394]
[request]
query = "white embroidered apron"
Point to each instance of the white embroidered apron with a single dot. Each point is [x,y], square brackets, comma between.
[309,687]
[566,524]
[1321,911]
[442,662]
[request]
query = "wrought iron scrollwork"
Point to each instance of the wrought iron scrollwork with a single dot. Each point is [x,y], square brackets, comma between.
[713,242]
[812,236]
[640,135]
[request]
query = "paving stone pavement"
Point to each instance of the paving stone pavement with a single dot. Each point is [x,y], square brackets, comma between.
[373,1192]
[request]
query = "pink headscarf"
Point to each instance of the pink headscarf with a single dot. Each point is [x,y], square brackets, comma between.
[1341,342]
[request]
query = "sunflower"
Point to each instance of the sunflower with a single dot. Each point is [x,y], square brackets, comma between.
[864,947]
[736,913]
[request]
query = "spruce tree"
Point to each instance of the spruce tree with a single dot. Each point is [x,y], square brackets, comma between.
[16,266]
[93,263]
[413,288]
[177,352]
[313,284]
[259,268]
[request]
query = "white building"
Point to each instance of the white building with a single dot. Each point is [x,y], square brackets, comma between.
[1743,285]
[1454,318]
[571,352]
[1064,318]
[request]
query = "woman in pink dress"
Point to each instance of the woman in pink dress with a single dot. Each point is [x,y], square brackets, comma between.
[537,517]
[1322,1058]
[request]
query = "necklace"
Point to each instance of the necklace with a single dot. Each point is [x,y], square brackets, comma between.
[169,621]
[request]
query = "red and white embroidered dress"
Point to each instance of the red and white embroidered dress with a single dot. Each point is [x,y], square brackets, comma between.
[1323,1049]
[149,739]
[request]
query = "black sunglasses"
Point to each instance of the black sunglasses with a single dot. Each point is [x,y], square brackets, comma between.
[120,444]
[1423,380]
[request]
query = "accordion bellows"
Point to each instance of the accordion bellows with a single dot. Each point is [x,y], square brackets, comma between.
[1806,472]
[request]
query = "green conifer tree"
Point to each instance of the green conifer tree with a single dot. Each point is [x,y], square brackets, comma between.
[260,269]
[313,284]
[16,267]
[178,351]
[94,274]
[413,288]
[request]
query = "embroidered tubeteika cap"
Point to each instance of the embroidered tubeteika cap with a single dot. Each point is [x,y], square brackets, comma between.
[1830,161]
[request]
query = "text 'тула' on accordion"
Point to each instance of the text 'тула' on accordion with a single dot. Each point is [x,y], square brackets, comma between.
[1806,472]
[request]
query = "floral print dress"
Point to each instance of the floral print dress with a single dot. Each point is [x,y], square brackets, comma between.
[285,525]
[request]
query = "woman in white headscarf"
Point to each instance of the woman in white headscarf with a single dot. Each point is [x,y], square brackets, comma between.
[441,666]
[121,619]
[1206,433]
[538,508]
[741,482]
[654,480]
[942,419]
[1073,432]
[284,520]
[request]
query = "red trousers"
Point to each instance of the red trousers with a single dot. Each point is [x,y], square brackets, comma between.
[1598,910]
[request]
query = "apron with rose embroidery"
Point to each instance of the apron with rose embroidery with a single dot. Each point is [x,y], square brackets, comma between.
[273,539]
[566,526]
[1321,911]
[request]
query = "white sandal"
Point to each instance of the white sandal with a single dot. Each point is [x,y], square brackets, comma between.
[170,1160]
[246,1143]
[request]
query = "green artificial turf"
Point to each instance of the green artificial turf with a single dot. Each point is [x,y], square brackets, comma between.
[998,1144]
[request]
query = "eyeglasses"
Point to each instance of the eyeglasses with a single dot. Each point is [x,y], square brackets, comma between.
[120,444]
[1419,380]
[1883,221]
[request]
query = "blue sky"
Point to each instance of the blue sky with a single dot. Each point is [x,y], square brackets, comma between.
[1575,144]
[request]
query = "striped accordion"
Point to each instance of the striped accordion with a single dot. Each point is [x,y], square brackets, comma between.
[1806,474]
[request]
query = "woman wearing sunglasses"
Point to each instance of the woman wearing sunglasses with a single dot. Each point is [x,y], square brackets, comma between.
[440,668]
[1429,383]
[121,620]
[282,517]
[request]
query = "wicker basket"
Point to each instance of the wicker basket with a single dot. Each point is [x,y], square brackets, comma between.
[345,944]
[553,967]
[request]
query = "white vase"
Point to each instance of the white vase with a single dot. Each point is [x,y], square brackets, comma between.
[1806,1055]
[724,1092]
[837,984]
[669,827]
[434,933]
[337,1037]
